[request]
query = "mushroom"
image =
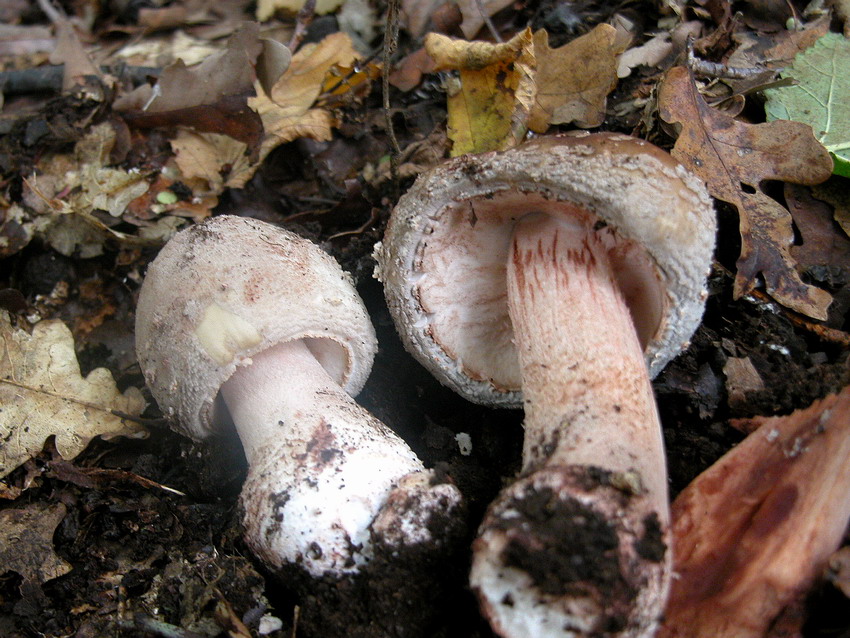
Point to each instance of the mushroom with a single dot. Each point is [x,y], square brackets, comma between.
[560,276]
[241,322]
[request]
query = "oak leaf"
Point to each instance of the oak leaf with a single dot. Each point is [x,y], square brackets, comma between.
[26,544]
[574,80]
[43,394]
[734,159]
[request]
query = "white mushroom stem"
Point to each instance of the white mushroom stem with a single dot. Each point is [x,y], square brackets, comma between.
[578,545]
[322,468]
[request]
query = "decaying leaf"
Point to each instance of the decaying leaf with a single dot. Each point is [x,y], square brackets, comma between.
[43,395]
[26,543]
[752,532]
[489,108]
[734,158]
[819,97]
[508,88]
[286,113]
[220,160]
[574,80]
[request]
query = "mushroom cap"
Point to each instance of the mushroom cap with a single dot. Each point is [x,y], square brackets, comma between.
[224,290]
[443,258]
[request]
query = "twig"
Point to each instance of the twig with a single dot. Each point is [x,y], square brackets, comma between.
[49,78]
[715,69]
[302,22]
[53,13]
[490,26]
[390,45]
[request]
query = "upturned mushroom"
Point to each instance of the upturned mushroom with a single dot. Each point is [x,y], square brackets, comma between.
[239,322]
[560,276]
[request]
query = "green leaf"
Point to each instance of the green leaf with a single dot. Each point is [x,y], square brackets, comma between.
[820,97]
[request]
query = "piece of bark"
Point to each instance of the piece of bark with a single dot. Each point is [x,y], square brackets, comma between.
[753,531]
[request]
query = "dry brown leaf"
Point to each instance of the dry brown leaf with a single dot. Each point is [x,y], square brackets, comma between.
[824,247]
[219,159]
[70,52]
[574,80]
[26,544]
[287,112]
[489,108]
[43,395]
[227,72]
[734,158]
[752,532]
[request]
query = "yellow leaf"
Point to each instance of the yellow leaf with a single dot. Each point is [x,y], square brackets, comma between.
[489,108]
[574,80]
[218,159]
[43,394]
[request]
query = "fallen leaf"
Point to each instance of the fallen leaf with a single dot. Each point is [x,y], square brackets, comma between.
[775,50]
[226,72]
[751,533]
[837,193]
[43,395]
[741,378]
[219,159]
[824,248]
[286,113]
[734,159]
[819,97]
[26,543]
[70,52]
[574,80]
[648,54]
[489,108]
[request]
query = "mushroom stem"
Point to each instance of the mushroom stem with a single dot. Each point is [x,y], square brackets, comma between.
[577,546]
[319,462]
[587,395]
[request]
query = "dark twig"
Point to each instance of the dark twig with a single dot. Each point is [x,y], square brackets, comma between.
[390,45]
[49,78]
[303,19]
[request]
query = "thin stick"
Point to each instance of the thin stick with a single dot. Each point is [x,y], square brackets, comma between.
[390,45]
[302,22]
[490,26]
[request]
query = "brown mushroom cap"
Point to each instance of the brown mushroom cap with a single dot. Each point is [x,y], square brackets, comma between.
[225,290]
[444,254]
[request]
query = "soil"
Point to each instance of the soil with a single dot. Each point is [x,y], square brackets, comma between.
[151,562]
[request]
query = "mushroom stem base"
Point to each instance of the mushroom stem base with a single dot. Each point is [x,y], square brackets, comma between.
[325,476]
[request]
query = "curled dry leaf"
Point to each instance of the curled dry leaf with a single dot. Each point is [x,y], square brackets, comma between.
[489,109]
[43,395]
[734,158]
[286,113]
[752,532]
[507,88]
[26,544]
